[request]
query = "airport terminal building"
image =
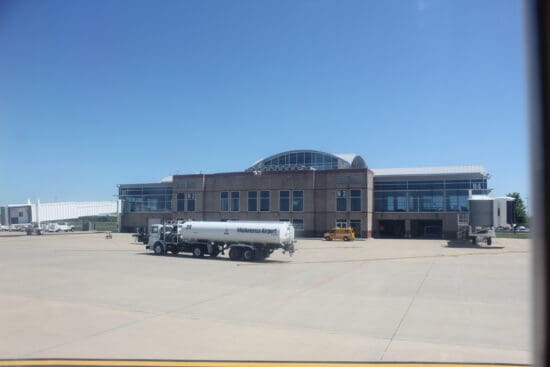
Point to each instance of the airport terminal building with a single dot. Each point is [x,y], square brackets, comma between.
[315,191]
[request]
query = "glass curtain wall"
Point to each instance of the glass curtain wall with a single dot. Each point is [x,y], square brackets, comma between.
[145,199]
[426,196]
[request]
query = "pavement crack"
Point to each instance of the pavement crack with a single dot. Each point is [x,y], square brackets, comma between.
[407,310]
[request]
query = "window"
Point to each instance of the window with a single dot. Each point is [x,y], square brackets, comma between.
[180,202]
[264,201]
[146,199]
[425,185]
[431,201]
[390,185]
[284,201]
[355,204]
[341,223]
[191,202]
[298,224]
[457,184]
[252,201]
[224,201]
[297,201]
[235,201]
[20,214]
[390,201]
[457,200]
[341,200]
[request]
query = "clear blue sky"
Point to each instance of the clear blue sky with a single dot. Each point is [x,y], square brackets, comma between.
[96,93]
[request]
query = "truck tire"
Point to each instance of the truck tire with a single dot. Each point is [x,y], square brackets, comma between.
[489,241]
[175,252]
[249,254]
[346,238]
[261,254]
[158,249]
[198,252]
[235,253]
[327,238]
[215,253]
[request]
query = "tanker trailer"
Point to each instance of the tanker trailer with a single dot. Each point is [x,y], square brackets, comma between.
[245,240]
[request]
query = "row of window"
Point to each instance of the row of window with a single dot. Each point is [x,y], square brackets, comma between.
[477,184]
[139,191]
[289,200]
[230,201]
[146,199]
[421,201]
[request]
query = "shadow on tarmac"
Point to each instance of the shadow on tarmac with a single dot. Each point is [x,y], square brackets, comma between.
[208,258]
[469,244]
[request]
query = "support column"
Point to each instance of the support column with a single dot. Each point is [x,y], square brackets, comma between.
[38,213]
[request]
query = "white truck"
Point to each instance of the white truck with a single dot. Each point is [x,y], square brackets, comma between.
[59,227]
[247,241]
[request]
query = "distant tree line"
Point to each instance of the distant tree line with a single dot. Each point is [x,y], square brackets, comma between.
[99,218]
[520,212]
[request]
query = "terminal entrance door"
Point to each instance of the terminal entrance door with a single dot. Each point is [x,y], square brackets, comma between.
[391,228]
[355,224]
[426,228]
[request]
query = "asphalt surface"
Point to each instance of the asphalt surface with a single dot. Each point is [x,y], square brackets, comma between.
[83,296]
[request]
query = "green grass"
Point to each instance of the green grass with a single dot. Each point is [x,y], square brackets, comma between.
[105,226]
[512,235]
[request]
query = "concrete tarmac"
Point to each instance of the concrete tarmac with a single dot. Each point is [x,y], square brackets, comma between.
[83,296]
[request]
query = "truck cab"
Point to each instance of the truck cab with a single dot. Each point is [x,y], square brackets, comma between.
[164,238]
[159,232]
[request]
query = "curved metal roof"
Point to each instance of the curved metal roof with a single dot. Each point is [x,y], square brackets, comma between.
[307,159]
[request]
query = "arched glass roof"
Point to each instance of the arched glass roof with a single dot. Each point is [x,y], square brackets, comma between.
[307,159]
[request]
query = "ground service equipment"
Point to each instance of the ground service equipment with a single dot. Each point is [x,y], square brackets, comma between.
[244,240]
[481,222]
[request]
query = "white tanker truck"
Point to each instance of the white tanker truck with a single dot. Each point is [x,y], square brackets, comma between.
[247,241]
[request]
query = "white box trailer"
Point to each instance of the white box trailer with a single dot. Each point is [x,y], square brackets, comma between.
[245,240]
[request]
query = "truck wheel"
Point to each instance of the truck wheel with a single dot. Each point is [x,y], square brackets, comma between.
[175,252]
[474,242]
[215,253]
[489,241]
[198,252]
[235,253]
[261,255]
[248,254]
[327,238]
[158,249]
[346,239]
